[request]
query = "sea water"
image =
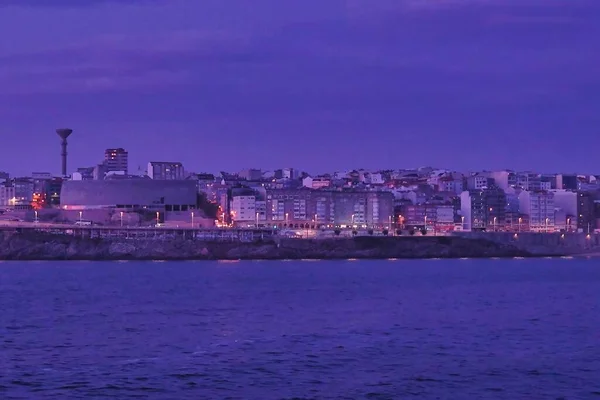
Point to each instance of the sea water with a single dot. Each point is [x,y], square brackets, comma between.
[390,329]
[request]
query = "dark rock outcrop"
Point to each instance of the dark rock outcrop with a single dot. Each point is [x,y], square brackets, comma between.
[21,246]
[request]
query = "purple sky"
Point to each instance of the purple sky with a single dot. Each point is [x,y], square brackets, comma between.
[315,84]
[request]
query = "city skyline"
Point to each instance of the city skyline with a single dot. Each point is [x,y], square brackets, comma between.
[466,85]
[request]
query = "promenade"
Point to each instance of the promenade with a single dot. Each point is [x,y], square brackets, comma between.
[137,232]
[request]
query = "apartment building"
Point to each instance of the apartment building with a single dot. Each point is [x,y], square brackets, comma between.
[160,170]
[291,207]
[539,206]
[116,160]
[7,195]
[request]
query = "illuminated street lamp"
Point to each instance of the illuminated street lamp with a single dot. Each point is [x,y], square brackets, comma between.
[256,223]
[36,216]
[80,216]
[462,223]
[157,217]
[494,224]
[286,219]
[121,218]
[520,219]
[192,220]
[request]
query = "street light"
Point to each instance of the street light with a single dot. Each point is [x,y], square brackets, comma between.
[192,220]
[121,219]
[80,217]
[316,219]
[426,223]
[547,225]
[36,216]
[157,218]
[520,219]
[353,220]
[462,223]
[494,224]
[286,219]
[257,220]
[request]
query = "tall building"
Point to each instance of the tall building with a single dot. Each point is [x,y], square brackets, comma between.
[483,209]
[166,171]
[539,206]
[495,202]
[116,160]
[586,216]
[473,210]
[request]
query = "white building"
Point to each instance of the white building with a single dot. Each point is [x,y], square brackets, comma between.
[317,182]
[243,209]
[565,199]
[466,211]
[565,204]
[539,206]
[7,196]
[375,179]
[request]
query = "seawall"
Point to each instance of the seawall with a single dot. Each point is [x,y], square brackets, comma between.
[41,246]
[542,243]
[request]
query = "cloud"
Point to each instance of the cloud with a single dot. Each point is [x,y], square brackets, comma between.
[71,3]
[336,60]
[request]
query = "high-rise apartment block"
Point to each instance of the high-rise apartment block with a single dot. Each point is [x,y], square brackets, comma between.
[116,160]
[539,205]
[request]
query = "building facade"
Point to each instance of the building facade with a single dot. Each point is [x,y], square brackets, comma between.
[495,208]
[116,160]
[295,207]
[166,171]
[539,206]
[243,209]
[136,194]
[586,215]
[7,195]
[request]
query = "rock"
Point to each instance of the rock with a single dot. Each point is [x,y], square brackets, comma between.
[52,247]
[121,249]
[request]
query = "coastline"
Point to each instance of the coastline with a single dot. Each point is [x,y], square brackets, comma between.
[41,247]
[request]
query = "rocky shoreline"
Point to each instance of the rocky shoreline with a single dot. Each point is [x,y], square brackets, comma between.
[39,246]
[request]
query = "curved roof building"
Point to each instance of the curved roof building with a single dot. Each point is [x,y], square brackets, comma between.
[129,193]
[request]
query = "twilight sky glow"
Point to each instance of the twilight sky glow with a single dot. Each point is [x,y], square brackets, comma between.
[314,84]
